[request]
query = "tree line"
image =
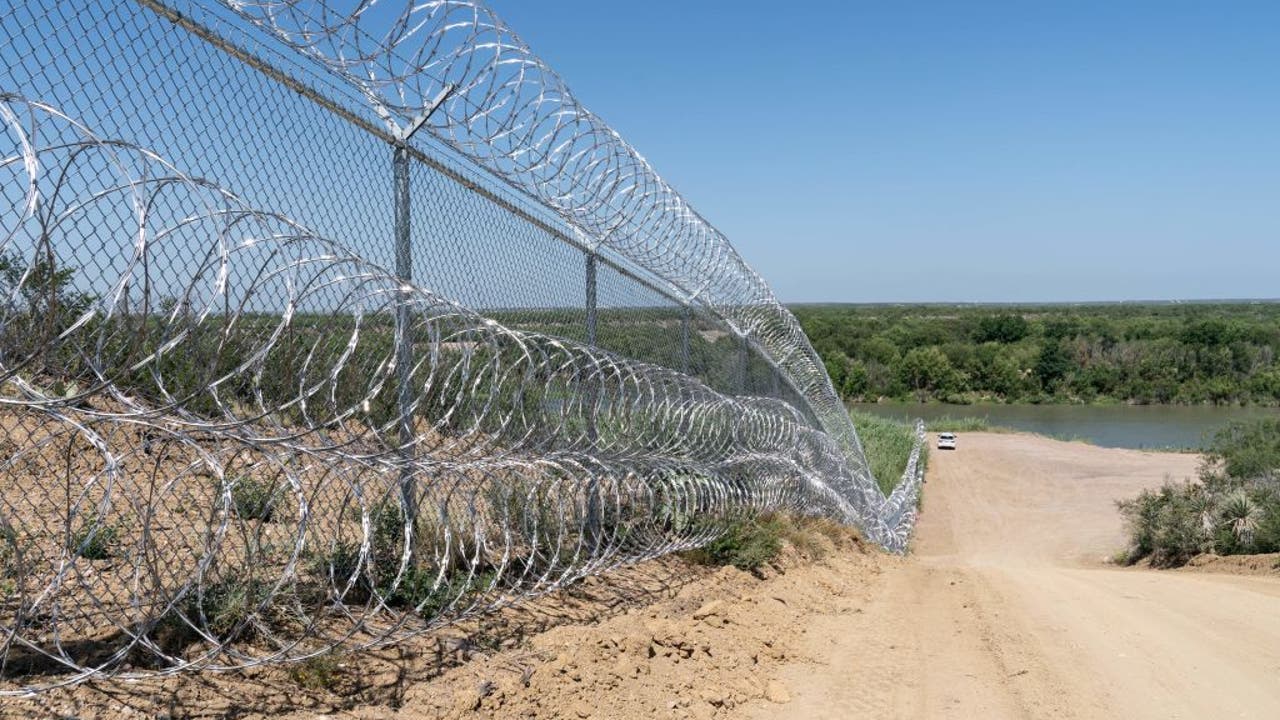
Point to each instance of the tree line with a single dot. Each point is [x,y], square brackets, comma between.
[1171,353]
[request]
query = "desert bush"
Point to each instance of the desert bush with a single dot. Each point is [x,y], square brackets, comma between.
[254,498]
[337,566]
[318,672]
[1233,509]
[429,594]
[221,608]
[95,539]
[230,604]
[747,544]
[433,578]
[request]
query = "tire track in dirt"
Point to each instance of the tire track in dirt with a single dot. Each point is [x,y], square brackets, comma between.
[1006,609]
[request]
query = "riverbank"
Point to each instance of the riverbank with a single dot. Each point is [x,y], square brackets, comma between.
[1121,426]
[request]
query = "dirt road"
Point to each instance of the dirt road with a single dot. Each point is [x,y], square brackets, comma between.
[1006,609]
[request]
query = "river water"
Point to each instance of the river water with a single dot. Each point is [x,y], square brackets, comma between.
[1126,426]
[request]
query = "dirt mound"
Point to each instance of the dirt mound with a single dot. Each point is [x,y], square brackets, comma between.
[662,639]
[1268,564]
[710,649]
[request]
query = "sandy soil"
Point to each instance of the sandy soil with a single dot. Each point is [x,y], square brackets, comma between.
[662,639]
[1007,610]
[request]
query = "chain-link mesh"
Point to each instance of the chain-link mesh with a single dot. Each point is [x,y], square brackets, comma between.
[276,377]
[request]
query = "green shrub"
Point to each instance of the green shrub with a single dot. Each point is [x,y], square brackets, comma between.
[336,568]
[1233,509]
[1267,539]
[425,591]
[746,544]
[318,672]
[229,604]
[95,539]
[422,583]
[1244,450]
[1169,525]
[254,499]
[887,445]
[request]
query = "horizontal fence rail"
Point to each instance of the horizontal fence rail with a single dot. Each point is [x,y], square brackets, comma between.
[326,326]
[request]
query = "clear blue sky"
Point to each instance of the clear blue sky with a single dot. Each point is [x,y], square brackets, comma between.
[966,151]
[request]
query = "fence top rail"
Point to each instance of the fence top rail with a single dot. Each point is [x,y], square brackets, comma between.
[509,112]
[420,150]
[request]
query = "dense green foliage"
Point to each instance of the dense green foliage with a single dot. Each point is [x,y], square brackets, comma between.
[1233,509]
[751,543]
[1154,353]
[887,444]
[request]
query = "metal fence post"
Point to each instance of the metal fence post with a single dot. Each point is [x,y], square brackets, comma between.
[593,520]
[744,350]
[403,341]
[685,318]
[591,298]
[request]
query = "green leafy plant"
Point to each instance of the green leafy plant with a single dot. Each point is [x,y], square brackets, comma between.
[747,544]
[94,539]
[254,499]
[317,672]
[229,604]
[423,590]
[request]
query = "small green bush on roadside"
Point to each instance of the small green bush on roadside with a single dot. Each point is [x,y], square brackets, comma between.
[1233,509]
[747,544]
[751,543]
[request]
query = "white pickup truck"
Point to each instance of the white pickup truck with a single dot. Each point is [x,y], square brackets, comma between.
[946,441]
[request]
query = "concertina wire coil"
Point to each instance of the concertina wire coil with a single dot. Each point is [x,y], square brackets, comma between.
[231,440]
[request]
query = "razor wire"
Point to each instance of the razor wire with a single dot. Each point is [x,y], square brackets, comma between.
[230,439]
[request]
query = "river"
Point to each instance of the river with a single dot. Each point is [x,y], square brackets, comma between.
[1124,426]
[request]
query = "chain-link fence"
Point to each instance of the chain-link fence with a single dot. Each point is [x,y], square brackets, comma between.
[326,326]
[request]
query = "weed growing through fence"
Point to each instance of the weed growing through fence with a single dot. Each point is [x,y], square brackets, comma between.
[318,672]
[9,570]
[254,498]
[95,539]
[747,544]
[229,605]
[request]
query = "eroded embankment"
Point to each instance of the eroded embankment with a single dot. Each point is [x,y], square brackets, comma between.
[663,639]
